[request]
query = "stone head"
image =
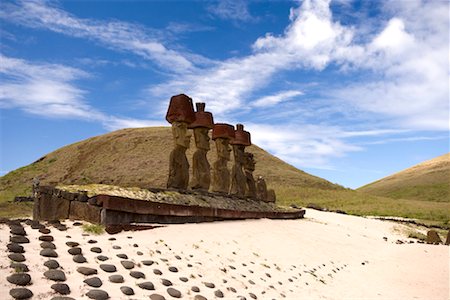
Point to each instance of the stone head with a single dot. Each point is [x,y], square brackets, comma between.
[180,134]
[202,138]
[223,148]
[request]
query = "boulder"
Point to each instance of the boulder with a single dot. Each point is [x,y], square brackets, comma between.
[433,237]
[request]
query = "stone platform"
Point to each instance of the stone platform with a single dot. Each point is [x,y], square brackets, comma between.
[112,206]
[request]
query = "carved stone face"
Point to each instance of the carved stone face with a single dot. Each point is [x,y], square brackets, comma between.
[249,161]
[201,138]
[238,151]
[180,134]
[223,148]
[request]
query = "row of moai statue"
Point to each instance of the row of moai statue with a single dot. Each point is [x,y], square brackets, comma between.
[239,182]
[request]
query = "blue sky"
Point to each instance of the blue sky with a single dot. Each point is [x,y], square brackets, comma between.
[347,90]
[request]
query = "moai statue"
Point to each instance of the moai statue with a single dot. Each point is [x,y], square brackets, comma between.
[35,187]
[271,197]
[222,134]
[201,169]
[249,167]
[261,189]
[238,180]
[180,114]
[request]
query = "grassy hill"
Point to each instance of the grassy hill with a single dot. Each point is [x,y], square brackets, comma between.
[139,157]
[427,181]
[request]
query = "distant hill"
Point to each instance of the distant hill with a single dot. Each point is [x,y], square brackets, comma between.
[139,157]
[427,181]
[136,157]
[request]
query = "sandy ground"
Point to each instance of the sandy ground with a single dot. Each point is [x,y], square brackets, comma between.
[324,256]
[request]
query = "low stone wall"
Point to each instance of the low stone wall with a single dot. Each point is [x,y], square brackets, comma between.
[54,204]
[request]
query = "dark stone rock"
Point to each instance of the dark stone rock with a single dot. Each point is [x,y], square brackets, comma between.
[21,293]
[184,279]
[16,257]
[19,239]
[61,288]
[116,278]
[195,289]
[137,274]
[139,253]
[62,298]
[218,294]
[148,262]
[61,227]
[79,259]
[75,250]
[252,295]
[166,282]
[147,285]
[47,252]
[17,230]
[178,257]
[251,281]
[116,247]
[174,293]
[231,289]
[48,245]
[96,249]
[19,267]
[37,225]
[173,269]
[433,237]
[122,256]
[102,258]
[15,248]
[127,291]
[77,224]
[44,230]
[447,240]
[72,244]
[157,272]
[19,278]
[108,268]
[127,264]
[46,238]
[135,245]
[93,281]
[112,239]
[200,297]
[157,297]
[51,264]
[210,285]
[97,294]
[92,242]
[55,275]
[86,271]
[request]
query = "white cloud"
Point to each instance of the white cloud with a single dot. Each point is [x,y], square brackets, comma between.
[236,10]
[113,34]
[277,98]
[49,90]
[302,145]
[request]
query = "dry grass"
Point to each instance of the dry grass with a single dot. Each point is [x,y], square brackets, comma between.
[427,181]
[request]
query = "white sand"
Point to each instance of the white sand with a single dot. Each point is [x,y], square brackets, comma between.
[320,257]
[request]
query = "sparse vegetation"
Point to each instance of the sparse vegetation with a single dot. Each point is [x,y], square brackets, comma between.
[94,228]
[417,235]
[143,154]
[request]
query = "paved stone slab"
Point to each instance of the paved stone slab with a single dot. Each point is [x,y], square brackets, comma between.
[55,275]
[93,281]
[86,271]
[127,291]
[174,292]
[51,264]
[61,288]
[108,268]
[19,239]
[116,278]
[16,257]
[21,293]
[47,252]
[97,294]
[19,267]
[19,279]
[147,285]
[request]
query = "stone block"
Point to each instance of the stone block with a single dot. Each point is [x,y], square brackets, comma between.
[84,211]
